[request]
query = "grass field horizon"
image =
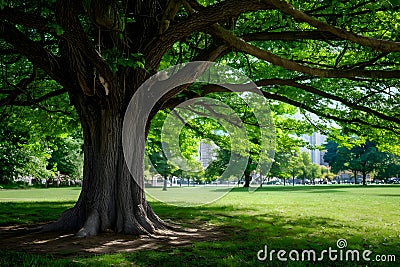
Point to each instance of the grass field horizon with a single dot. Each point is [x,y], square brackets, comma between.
[283,218]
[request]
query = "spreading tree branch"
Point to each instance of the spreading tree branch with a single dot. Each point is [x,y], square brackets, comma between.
[290,36]
[38,55]
[38,100]
[26,19]
[340,119]
[315,91]
[79,46]
[243,46]
[199,20]
[212,88]
[381,45]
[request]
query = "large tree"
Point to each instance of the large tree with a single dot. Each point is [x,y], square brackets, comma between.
[363,158]
[336,59]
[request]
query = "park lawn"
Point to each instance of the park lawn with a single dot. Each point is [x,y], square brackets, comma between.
[299,218]
[34,205]
[40,194]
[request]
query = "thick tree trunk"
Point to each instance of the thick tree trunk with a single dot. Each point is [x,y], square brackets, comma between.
[247,179]
[165,184]
[110,199]
[364,178]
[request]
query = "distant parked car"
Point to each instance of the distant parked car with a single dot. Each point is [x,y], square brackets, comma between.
[393,180]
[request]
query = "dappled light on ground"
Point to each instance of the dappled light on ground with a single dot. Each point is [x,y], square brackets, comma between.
[227,232]
[19,238]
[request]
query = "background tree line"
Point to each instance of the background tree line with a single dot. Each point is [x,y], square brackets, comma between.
[363,158]
[39,145]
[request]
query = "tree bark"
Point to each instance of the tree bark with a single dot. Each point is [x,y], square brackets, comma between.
[355,177]
[247,179]
[165,184]
[364,178]
[110,199]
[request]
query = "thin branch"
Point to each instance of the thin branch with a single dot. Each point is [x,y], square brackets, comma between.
[291,36]
[37,100]
[312,123]
[200,20]
[241,45]
[212,88]
[8,51]
[381,45]
[19,88]
[367,63]
[38,55]
[28,20]
[324,94]
[352,14]
[53,110]
[328,116]
[200,132]
[341,55]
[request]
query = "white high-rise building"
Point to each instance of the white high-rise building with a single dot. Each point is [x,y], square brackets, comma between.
[316,139]
[206,153]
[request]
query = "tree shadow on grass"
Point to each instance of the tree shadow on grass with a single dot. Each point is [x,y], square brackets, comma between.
[20,219]
[212,235]
[17,213]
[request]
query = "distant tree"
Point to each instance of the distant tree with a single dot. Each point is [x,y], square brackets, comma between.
[388,167]
[280,166]
[336,157]
[67,155]
[217,166]
[306,166]
[24,152]
[315,172]
[326,173]
[287,162]
[363,158]
[162,166]
[295,164]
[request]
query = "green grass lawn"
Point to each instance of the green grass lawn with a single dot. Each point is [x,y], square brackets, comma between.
[40,194]
[188,196]
[290,218]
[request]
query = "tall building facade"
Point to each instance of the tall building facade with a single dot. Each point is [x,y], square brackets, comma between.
[316,139]
[206,153]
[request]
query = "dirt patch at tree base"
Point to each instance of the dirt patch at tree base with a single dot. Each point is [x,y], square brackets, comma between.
[66,244]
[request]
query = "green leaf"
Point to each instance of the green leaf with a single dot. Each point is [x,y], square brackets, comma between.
[395,2]
[56,28]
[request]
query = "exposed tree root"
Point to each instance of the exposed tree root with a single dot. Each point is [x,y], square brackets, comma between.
[142,222]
